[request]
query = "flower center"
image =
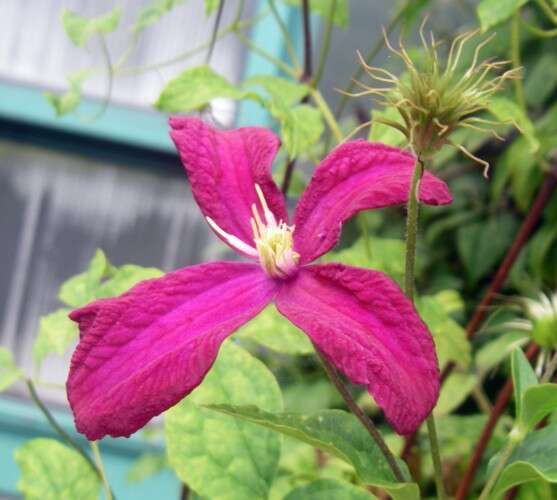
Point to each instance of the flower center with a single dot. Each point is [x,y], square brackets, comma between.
[273,241]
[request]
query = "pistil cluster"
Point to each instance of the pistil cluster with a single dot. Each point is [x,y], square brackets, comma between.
[273,241]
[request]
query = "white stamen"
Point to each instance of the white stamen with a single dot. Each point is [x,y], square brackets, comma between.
[232,240]
[269,216]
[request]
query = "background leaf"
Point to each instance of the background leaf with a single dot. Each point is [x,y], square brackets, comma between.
[56,333]
[220,457]
[194,88]
[450,338]
[271,329]
[300,126]
[211,6]
[508,111]
[383,254]
[454,391]
[329,489]
[152,12]
[279,89]
[380,132]
[523,378]
[482,244]
[537,402]
[492,12]
[80,289]
[79,29]
[335,432]
[9,372]
[52,471]
[534,458]
[69,100]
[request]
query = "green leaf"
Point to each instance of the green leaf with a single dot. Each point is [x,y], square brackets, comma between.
[482,244]
[52,471]
[412,11]
[380,132]
[56,333]
[495,351]
[274,331]
[457,434]
[537,402]
[79,29]
[333,431]
[103,280]
[450,338]
[81,288]
[194,88]
[383,254]
[520,166]
[123,278]
[454,392]
[279,89]
[539,249]
[9,372]
[146,465]
[523,378]
[211,6]
[152,12]
[69,101]
[508,111]
[300,126]
[329,489]
[323,8]
[534,458]
[492,12]
[307,396]
[542,79]
[204,446]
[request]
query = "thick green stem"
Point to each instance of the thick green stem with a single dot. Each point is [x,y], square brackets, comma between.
[412,212]
[503,459]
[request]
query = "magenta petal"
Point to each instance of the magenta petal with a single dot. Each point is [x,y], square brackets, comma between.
[223,168]
[370,331]
[356,176]
[142,352]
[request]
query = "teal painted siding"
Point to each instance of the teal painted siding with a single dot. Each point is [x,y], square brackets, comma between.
[135,127]
[20,421]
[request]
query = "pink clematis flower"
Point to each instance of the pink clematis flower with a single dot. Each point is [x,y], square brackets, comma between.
[142,352]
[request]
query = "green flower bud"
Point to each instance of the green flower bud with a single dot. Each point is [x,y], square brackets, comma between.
[543,316]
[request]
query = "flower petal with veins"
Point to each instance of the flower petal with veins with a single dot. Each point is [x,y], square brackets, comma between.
[370,331]
[223,168]
[142,352]
[355,176]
